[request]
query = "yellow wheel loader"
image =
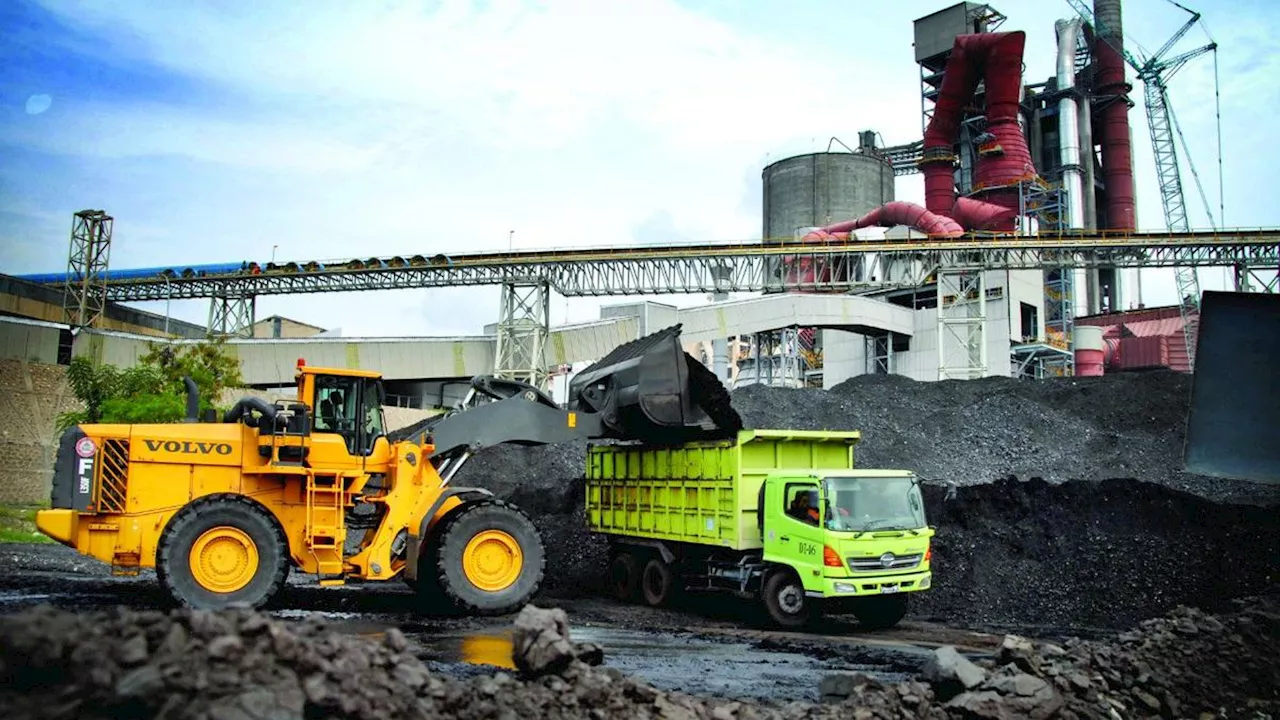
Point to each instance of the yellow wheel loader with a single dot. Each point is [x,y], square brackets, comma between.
[224,510]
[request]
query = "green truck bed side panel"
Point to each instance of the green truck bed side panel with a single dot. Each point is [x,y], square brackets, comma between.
[704,492]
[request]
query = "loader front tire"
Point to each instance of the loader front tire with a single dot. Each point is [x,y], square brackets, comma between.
[489,558]
[222,551]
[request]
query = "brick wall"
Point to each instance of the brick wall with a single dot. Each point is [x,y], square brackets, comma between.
[31,396]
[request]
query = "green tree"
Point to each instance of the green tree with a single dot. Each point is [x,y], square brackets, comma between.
[152,391]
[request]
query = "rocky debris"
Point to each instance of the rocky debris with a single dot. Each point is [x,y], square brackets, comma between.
[952,673]
[860,696]
[541,644]
[239,664]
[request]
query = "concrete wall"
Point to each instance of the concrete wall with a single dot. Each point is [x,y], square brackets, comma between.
[31,340]
[31,397]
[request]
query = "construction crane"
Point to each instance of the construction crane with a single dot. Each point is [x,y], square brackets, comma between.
[1155,72]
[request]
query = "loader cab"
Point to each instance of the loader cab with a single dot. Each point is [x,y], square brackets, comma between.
[345,402]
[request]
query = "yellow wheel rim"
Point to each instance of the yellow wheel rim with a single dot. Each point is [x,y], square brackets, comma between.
[224,559]
[492,560]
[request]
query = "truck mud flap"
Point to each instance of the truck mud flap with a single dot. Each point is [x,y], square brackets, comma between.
[1234,417]
[650,389]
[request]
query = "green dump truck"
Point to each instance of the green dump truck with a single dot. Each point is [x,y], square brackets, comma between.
[776,515]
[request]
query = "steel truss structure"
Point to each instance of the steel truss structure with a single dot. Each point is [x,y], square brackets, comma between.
[523,328]
[84,295]
[962,325]
[232,316]
[705,268]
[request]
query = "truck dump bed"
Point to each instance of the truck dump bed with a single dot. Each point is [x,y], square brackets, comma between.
[701,492]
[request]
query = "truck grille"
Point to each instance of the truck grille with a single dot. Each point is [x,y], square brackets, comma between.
[113,479]
[888,561]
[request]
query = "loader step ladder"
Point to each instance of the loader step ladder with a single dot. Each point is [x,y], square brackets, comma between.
[326,530]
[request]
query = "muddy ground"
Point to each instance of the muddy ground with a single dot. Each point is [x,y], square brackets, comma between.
[710,648]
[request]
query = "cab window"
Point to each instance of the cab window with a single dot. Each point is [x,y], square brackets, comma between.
[336,399]
[801,502]
[373,421]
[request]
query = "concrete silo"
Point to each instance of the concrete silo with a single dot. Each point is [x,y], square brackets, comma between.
[822,188]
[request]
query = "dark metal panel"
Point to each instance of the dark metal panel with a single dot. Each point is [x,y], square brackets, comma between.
[1233,428]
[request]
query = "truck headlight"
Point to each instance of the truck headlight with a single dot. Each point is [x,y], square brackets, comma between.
[845,587]
[927,581]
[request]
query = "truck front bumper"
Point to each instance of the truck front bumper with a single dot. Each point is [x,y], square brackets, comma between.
[837,588]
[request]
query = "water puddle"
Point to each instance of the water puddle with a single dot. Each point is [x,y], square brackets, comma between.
[669,662]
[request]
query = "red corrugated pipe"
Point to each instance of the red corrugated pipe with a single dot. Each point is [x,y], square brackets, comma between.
[1003,156]
[1113,130]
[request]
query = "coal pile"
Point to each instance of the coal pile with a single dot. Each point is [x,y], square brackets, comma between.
[978,431]
[1105,555]
[239,664]
[1071,510]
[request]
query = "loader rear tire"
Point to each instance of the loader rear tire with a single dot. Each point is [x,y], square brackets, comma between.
[222,551]
[489,558]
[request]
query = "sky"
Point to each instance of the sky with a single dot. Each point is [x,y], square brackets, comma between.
[220,132]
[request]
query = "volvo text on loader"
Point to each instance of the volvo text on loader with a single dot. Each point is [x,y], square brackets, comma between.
[225,510]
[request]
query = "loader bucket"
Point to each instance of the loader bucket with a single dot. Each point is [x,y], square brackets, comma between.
[650,389]
[1234,420]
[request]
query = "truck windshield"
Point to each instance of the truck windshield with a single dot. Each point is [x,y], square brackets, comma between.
[861,504]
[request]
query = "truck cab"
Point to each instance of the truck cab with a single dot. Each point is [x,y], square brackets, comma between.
[856,540]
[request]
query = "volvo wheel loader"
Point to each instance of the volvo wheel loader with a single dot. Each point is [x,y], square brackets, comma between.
[224,510]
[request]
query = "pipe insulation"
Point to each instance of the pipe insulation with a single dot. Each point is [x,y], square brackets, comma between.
[1068,131]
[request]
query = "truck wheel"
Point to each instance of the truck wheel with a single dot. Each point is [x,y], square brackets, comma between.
[221,551]
[624,577]
[489,559]
[880,612]
[785,600]
[657,582]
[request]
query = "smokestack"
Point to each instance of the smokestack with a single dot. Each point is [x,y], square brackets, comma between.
[1117,157]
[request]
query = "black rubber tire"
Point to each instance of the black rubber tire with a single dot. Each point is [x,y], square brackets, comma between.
[709,393]
[173,552]
[657,582]
[880,612]
[457,531]
[624,577]
[785,601]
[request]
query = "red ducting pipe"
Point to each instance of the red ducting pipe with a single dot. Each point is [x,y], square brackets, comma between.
[1003,157]
[890,215]
[1113,130]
